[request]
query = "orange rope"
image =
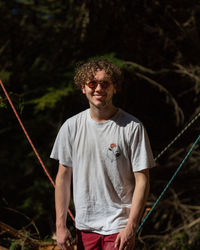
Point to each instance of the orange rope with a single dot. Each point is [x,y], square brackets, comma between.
[29,139]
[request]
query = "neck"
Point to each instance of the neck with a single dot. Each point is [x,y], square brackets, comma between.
[102,114]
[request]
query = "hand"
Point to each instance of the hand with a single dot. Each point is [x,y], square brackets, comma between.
[64,239]
[126,239]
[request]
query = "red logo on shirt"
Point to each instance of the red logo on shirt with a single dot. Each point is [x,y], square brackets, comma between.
[113,152]
[113,145]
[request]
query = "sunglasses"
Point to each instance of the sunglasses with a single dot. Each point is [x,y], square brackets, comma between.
[93,84]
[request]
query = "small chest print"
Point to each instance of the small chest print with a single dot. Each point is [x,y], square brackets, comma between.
[113,152]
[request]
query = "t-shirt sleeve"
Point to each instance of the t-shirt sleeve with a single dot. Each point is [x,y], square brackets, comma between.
[141,153]
[62,149]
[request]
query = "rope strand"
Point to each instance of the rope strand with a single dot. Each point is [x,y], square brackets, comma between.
[29,139]
[158,156]
[168,184]
[177,137]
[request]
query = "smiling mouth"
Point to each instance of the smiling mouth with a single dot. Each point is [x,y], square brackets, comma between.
[99,96]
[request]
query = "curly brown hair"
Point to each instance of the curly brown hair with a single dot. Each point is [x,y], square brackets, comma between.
[86,72]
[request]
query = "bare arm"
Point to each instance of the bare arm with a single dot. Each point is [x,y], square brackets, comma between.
[126,238]
[62,199]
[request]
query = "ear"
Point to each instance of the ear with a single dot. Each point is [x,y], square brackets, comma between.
[115,91]
[83,88]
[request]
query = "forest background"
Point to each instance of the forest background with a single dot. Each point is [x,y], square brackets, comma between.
[157,45]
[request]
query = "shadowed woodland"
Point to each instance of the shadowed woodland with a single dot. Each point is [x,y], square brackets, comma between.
[157,45]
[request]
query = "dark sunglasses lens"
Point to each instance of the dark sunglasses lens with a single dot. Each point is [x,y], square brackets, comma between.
[105,85]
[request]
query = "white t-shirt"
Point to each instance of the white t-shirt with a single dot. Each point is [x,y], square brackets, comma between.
[103,157]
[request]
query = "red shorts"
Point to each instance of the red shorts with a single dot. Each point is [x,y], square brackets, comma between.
[92,241]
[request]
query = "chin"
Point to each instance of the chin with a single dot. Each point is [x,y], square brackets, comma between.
[99,104]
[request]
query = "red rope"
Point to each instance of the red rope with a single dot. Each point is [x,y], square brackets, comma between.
[29,139]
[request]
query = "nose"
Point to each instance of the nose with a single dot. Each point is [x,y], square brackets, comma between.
[98,87]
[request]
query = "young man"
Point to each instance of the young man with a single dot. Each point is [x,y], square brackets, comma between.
[109,154]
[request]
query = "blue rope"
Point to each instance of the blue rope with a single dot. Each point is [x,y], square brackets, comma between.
[168,184]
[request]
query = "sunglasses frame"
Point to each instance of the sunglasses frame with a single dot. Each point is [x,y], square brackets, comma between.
[93,84]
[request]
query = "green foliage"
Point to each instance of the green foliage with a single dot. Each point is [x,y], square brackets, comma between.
[196,242]
[19,245]
[180,241]
[157,45]
[2,102]
[15,246]
[32,198]
[111,57]
[51,98]
[4,76]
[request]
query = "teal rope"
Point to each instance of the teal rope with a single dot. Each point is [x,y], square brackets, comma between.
[168,184]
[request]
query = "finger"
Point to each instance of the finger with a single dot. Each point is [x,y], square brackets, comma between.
[121,246]
[117,241]
[69,237]
[70,248]
[71,240]
[64,247]
[124,246]
[59,245]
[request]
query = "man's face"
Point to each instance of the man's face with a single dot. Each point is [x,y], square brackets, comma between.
[99,91]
